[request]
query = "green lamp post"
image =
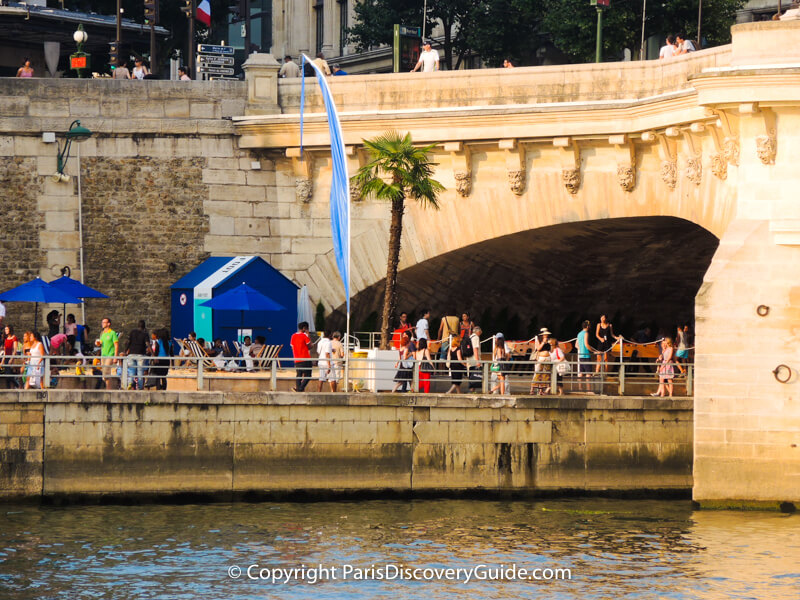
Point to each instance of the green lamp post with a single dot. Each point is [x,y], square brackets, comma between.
[600,5]
[76,133]
[80,60]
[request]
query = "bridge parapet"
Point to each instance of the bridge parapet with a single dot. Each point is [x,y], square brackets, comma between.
[499,87]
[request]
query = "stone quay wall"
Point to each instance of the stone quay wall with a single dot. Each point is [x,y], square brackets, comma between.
[76,444]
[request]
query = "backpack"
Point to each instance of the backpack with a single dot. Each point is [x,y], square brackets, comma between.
[467,351]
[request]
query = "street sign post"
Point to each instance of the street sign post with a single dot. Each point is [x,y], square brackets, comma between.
[214,70]
[212,49]
[214,60]
[207,60]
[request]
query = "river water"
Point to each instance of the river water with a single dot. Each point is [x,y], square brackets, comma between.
[612,549]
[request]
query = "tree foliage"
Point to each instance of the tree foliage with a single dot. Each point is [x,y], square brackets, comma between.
[572,24]
[498,29]
[397,170]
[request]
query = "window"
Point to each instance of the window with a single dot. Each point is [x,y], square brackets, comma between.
[342,25]
[319,15]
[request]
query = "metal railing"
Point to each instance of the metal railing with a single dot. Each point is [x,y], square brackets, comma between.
[379,374]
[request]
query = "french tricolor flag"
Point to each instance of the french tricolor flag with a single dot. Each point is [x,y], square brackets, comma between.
[203,13]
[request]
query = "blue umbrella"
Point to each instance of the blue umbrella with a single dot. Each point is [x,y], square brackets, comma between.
[37,291]
[76,288]
[243,298]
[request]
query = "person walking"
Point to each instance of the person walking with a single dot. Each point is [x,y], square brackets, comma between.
[682,351]
[428,59]
[301,345]
[559,364]
[35,369]
[26,70]
[136,351]
[423,356]
[604,332]
[499,356]
[289,68]
[322,63]
[474,376]
[584,357]
[337,360]
[109,349]
[455,363]
[668,50]
[159,349]
[541,354]
[324,351]
[183,74]
[422,327]
[122,71]
[684,45]
[404,366]
[666,371]
[139,70]
[448,329]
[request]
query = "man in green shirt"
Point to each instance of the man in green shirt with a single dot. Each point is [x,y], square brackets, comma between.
[109,347]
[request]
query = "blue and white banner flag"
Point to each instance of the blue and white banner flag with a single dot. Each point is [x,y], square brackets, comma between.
[340,182]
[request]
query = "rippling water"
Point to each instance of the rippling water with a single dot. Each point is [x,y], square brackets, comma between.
[613,548]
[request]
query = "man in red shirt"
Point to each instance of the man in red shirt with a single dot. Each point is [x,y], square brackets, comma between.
[302,357]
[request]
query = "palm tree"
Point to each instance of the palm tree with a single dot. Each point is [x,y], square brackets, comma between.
[397,170]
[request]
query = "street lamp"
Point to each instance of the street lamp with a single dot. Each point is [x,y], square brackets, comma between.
[79,60]
[600,5]
[76,133]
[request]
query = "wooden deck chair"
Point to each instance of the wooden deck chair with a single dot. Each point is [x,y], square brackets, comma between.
[198,352]
[268,353]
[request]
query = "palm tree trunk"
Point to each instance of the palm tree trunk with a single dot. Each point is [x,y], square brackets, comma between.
[390,294]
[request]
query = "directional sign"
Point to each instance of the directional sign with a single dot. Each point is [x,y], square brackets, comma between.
[214,70]
[207,60]
[211,49]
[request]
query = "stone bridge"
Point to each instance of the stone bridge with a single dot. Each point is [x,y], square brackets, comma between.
[654,191]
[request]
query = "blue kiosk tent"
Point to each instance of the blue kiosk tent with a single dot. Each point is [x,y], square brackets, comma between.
[219,274]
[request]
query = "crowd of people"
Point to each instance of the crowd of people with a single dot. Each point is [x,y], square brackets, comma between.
[73,352]
[460,358]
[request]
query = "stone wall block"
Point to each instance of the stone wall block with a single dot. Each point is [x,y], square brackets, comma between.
[14,106]
[176,108]
[261,177]
[219,225]
[83,107]
[204,110]
[60,221]
[49,108]
[220,176]
[233,107]
[48,202]
[113,106]
[251,226]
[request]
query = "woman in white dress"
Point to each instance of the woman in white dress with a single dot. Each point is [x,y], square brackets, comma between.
[35,369]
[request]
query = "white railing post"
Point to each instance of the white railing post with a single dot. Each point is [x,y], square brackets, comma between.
[199,374]
[485,367]
[273,376]
[690,379]
[553,379]
[46,373]
[124,379]
[622,379]
[415,377]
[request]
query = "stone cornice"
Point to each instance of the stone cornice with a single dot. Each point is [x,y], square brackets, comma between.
[473,124]
[729,87]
